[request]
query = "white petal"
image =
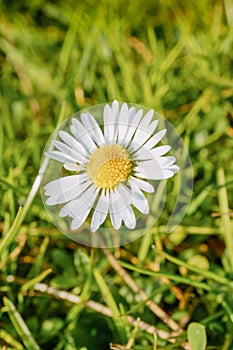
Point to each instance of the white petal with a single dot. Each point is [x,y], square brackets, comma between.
[115,220]
[69,208]
[124,125]
[115,205]
[152,126]
[72,167]
[66,188]
[116,201]
[55,185]
[68,194]
[145,129]
[143,185]
[128,217]
[72,142]
[115,109]
[82,208]
[147,118]
[166,161]
[140,137]
[100,212]
[93,128]
[125,193]
[160,151]
[108,124]
[69,151]
[123,121]
[142,154]
[139,200]
[120,199]
[174,168]
[115,115]
[82,135]
[151,170]
[154,140]
[133,124]
[60,157]
[77,206]
[77,222]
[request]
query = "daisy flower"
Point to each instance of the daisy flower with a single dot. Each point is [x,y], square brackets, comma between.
[111,167]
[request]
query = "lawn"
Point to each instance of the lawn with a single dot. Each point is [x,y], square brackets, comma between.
[163,290]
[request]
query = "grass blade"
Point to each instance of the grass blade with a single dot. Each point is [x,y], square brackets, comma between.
[20,326]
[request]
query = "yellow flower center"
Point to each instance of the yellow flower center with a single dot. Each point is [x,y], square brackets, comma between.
[109,165]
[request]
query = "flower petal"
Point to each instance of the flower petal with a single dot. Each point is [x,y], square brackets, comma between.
[84,205]
[82,135]
[78,221]
[142,154]
[133,124]
[147,118]
[125,212]
[69,151]
[100,211]
[72,167]
[55,185]
[139,200]
[108,124]
[93,128]
[166,161]
[128,217]
[72,142]
[143,185]
[115,205]
[140,137]
[174,168]
[115,115]
[125,124]
[125,193]
[123,121]
[160,151]
[151,170]
[66,188]
[79,208]
[68,194]
[60,157]
[154,140]
[142,134]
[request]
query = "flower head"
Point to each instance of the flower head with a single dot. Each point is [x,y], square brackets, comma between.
[111,166]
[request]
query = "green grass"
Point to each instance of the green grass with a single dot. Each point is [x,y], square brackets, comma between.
[57,57]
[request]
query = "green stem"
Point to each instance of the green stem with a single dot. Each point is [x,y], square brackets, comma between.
[205,273]
[175,278]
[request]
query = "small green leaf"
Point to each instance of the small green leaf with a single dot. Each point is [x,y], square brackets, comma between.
[197,336]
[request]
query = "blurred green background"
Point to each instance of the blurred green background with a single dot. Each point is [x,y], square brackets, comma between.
[173,56]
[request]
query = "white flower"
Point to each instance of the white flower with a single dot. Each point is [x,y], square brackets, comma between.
[111,167]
